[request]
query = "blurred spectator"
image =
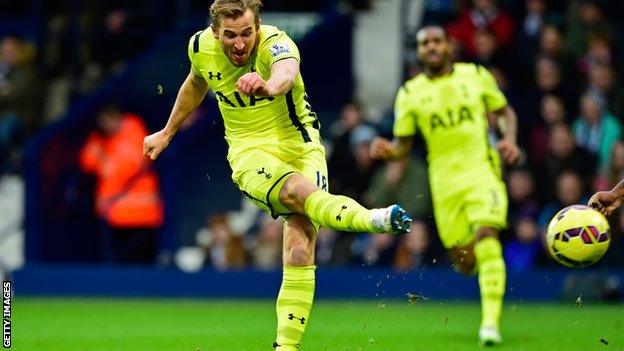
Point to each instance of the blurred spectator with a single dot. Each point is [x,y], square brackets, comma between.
[585,19]
[365,166]
[599,52]
[20,94]
[111,33]
[524,247]
[534,19]
[596,130]
[552,111]
[615,171]
[522,198]
[266,251]
[412,247]
[127,190]
[484,14]
[570,190]
[487,53]
[113,46]
[120,30]
[551,46]
[547,75]
[548,80]
[602,80]
[341,160]
[551,42]
[537,23]
[223,248]
[563,155]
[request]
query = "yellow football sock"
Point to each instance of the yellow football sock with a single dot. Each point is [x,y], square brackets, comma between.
[491,280]
[338,212]
[294,303]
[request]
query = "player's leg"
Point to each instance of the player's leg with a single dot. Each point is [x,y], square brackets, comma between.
[484,256]
[258,173]
[463,258]
[468,223]
[454,229]
[486,209]
[339,212]
[283,188]
[306,193]
[492,276]
[296,294]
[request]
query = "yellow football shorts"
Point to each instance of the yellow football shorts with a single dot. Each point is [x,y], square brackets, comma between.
[260,171]
[460,210]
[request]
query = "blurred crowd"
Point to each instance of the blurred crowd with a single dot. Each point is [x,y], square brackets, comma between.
[54,53]
[558,62]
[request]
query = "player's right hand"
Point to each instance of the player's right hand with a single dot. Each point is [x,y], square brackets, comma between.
[252,84]
[381,148]
[509,151]
[154,144]
[605,202]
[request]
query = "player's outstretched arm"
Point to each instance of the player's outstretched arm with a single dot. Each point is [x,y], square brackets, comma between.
[283,74]
[508,124]
[190,95]
[608,201]
[384,149]
[282,79]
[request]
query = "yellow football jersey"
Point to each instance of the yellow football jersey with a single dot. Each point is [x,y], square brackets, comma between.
[451,114]
[252,118]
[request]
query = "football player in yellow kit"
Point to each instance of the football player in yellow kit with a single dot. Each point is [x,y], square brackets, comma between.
[448,104]
[275,150]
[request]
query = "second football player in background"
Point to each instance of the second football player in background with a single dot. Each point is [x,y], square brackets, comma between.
[448,104]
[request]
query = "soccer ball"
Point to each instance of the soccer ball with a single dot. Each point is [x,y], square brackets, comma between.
[578,236]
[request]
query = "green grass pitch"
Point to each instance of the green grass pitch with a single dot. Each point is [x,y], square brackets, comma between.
[232,325]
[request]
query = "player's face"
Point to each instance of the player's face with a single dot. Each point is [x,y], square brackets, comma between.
[238,37]
[433,48]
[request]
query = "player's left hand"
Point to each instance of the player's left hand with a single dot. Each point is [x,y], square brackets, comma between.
[251,84]
[380,149]
[509,151]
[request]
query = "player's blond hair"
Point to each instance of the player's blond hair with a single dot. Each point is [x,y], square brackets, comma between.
[233,9]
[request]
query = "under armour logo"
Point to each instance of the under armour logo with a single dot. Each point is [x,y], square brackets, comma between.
[292,316]
[212,75]
[266,175]
[339,217]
